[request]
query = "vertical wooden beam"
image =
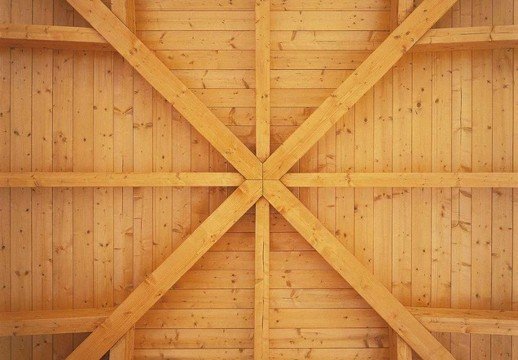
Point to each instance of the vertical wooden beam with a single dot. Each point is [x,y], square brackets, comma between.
[262,77]
[262,240]
[262,274]
[124,348]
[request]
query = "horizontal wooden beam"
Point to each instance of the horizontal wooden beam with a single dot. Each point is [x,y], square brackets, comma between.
[54,37]
[392,180]
[81,38]
[41,322]
[493,322]
[81,179]
[465,38]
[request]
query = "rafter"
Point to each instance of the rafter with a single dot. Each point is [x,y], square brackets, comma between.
[96,179]
[169,272]
[357,275]
[355,86]
[421,180]
[169,86]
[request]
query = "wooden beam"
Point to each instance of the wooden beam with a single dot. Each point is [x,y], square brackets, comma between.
[262,209]
[169,86]
[493,322]
[42,322]
[169,272]
[391,180]
[81,179]
[466,321]
[468,38]
[262,78]
[54,37]
[124,348]
[355,86]
[125,11]
[357,275]
[262,283]
[81,38]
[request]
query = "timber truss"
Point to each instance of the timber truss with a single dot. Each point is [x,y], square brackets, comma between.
[262,178]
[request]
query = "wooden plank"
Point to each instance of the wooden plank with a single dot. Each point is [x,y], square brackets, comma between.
[42,161]
[124,348]
[502,281]
[482,160]
[414,179]
[356,85]
[110,179]
[153,70]
[21,199]
[461,230]
[160,280]
[5,165]
[375,293]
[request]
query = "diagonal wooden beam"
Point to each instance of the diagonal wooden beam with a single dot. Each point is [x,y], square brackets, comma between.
[355,86]
[169,86]
[169,272]
[357,275]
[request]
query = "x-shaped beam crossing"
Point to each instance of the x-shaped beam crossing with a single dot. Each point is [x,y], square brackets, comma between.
[263,179]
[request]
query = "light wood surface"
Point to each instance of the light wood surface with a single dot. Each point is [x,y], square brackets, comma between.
[351,90]
[163,81]
[169,271]
[99,179]
[360,278]
[406,180]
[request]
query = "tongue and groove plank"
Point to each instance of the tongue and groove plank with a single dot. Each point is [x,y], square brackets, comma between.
[168,273]
[356,85]
[360,278]
[169,86]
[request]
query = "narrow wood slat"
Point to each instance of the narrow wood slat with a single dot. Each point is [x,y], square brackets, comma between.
[262,281]
[356,85]
[360,278]
[100,179]
[169,272]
